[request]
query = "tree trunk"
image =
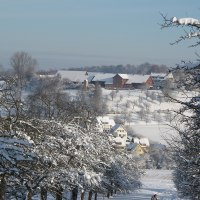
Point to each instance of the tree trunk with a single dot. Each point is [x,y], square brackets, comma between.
[75,193]
[43,193]
[95,197]
[82,195]
[29,195]
[111,193]
[108,195]
[90,195]
[59,194]
[2,187]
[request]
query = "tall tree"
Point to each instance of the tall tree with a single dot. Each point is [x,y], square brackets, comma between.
[186,145]
[48,100]
[23,65]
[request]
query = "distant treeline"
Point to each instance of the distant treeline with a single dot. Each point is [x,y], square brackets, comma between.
[145,68]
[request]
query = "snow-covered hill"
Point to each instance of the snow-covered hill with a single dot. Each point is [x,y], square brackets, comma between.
[148,113]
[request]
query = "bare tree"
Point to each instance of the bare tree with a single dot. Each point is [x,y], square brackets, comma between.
[113,94]
[23,65]
[121,97]
[48,101]
[141,113]
[128,104]
[152,96]
[140,99]
[157,116]
[11,104]
[169,116]
[97,100]
[117,105]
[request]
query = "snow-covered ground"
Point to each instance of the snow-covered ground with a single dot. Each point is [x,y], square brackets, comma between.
[157,114]
[130,103]
[155,132]
[148,113]
[154,182]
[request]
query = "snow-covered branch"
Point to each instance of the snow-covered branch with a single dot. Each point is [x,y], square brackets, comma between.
[192,24]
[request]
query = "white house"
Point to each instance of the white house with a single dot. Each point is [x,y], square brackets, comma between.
[136,140]
[144,142]
[119,143]
[119,131]
[104,124]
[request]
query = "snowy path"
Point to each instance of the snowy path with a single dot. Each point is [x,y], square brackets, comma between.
[154,181]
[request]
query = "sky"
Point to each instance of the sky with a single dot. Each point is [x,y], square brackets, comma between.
[78,33]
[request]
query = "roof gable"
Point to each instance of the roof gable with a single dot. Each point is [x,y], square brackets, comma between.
[137,78]
[124,76]
[116,127]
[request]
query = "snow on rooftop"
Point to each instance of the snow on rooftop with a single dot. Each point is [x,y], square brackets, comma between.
[106,119]
[103,119]
[90,76]
[47,75]
[158,74]
[77,76]
[119,141]
[144,141]
[107,78]
[124,76]
[108,81]
[116,126]
[136,78]
[104,77]
[136,140]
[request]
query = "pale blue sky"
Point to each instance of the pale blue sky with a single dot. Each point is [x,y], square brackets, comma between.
[75,33]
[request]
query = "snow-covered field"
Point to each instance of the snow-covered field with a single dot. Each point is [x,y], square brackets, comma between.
[148,113]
